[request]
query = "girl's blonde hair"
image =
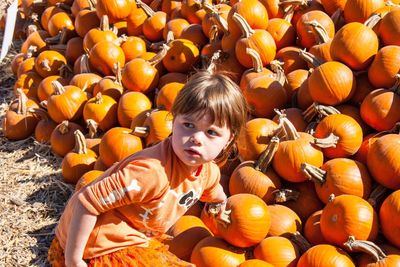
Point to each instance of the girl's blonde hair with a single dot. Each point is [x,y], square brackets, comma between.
[214,94]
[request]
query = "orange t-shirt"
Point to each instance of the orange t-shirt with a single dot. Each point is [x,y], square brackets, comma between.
[140,197]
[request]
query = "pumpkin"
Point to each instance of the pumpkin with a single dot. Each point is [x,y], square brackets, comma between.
[297,149]
[79,161]
[254,137]
[346,215]
[389,28]
[194,33]
[378,256]
[36,39]
[176,26]
[284,221]
[214,251]
[28,64]
[86,79]
[299,197]
[45,89]
[92,138]
[389,218]
[354,112]
[99,165]
[166,95]
[156,127]
[103,110]
[66,103]
[87,178]
[16,61]
[49,62]
[255,177]
[187,232]
[362,152]
[359,11]
[255,263]
[18,122]
[29,83]
[354,45]
[331,6]
[312,229]
[294,80]
[134,22]
[282,31]
[208,22]
[384,67]
[118,143]
[381,160]
[294,115]
[290,56]
[339,176]
[181,56]
[339,135]
[59,22]
[62,139]
[325,255]
[127,112]
[116,10]
[47,14]
[104,55]
[85,20]
[259,40]
[278,251]
[322,47]
[44,127]
[133,47]
[153,26]
[78,5]
[249,220]
[377,107]
[102,33]
[363,88]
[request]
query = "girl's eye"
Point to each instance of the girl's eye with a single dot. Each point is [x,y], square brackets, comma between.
[213,133]
[188,125]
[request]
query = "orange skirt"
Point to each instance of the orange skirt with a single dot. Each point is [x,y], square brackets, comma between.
[156,254]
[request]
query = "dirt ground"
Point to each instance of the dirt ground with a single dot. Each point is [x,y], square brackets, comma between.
[32,193]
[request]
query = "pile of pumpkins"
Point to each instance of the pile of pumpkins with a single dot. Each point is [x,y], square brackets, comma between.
[317,177]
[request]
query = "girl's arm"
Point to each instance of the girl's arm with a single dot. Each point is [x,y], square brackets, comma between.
[82,224]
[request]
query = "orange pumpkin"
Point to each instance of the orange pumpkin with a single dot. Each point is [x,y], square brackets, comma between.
[166,96]
[49,62]
[389,217]
[181,56]
[104,55]
[116,10]
[62,139]
[284,221]
[325,255]
[45,126]
[103,110]
[87,178]
[278,251]
[102,33]
[312,229]
[359,11]
[127,112]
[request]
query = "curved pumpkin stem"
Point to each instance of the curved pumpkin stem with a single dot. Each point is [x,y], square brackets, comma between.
[311,59]
[149,12]
[365,246]
[63,128]
[221,22]
[40,112]
[59,89]
[291,132]
[377,194]
[277,68]
[284,194]
[160,55]
[301,242]
[373,20]
[141,131]
[84,64]
[208,8]
[294,2]
[31,50]
[22,100]
[256,59]
[288,13]
[320,31]
[99,98]
[118,73]
[247,31]
[318,109]
[45,64]
[266,156]
[330,141]
[313,173]
[92,126]
[104,23]
[80,143]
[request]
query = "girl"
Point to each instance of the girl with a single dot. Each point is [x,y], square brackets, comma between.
[119,219]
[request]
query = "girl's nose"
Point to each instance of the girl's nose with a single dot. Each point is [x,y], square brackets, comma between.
[195,139]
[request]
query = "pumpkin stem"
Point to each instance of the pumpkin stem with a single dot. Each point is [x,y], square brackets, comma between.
[141,131]
[288,13]
[63,128]
[43,104]
[58,87]
[266,156]
[330,141]
[92,126]
[291,132]
[31,50]
[373,20]
[310,129]
[320,31]
[221,22]
[318,109]
[396,87]
[277,68]
[149,12]
[99,98]
[160,55]
[104,23]
[92,4]
[208,8]
[22,100]
[45,64]
[256,59]
[301,3]
[118,73]
[31,29]
[80,143]
[84,64]
[285,194]
[331,197]
[311,59]
[247,31]
[301,242]
[365,246]
[377,194]
[313,173]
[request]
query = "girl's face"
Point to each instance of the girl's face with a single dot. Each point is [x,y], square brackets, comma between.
[196,140]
